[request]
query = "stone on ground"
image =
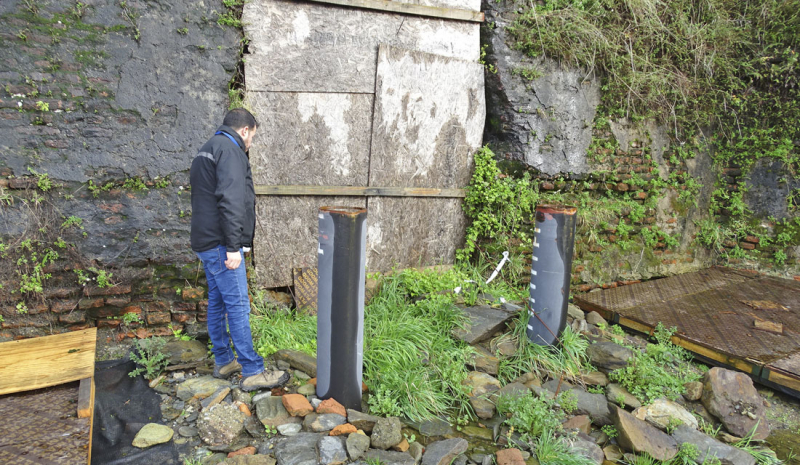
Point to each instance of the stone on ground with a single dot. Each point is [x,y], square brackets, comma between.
[694,391]
[298,360]
[483,408]
[608,356]
[298,450]
[220,424]
[271,412]
[731,397]
[480,384]
[581,423]
[443,452]
[152,434]
[331,450]
[594,318]
[710,447]
[513,390]
[386,433]
[415,449]
[331,406]
[297,405]
[324,422]
[249,460]
[362,421]
[200,387]
[616,393]
[215,398]
[639,436]
[181,352]
[343,430]
[484,361]
[389,457]
[595,378]
[594,405]
[483,322]
[249,450]
[289,429]
[187,431]
[307,390]
[575,312]
[509,457]
[664,413]
[357,444]
[583,444]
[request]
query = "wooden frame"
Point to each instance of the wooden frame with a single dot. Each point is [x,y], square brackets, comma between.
[411,9]
[41,362]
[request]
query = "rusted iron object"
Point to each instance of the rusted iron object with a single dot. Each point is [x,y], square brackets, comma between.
[553,243]
[341,265]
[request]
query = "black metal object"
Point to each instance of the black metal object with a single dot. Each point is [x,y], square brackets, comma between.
[553,243]
[341,265]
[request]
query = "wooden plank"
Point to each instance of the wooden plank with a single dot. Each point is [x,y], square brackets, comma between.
[313,47]
[410,9]
[85,403]
[354,191]
[47,361]
[91,420]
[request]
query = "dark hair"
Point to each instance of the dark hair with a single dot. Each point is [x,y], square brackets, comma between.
[239,118]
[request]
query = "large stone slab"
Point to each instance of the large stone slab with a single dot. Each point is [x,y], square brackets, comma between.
[483,322]
[639,436]
[443,452]
[731,397]
[298,450]
[710,447]
[200,387]
[312,47]
[389,457]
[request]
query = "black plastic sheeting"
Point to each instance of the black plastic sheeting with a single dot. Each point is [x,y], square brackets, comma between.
[122,406]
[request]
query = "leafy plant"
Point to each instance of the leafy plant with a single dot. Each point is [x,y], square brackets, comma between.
[551,450]
[530,415]
[149,355]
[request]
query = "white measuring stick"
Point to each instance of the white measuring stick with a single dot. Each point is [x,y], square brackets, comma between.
[499,267]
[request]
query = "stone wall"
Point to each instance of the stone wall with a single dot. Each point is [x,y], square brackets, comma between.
[103,105]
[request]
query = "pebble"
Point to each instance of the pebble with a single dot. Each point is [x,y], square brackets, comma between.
[260,396]
[187,431]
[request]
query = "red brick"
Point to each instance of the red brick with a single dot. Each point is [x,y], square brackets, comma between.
[119,289]
[158,318]
[641,195]
[77,316]
[118,301]
[193,293]
[249,450]
[84,304]
[202,306]
[509,457]
[35,309]
[61,306]
[331,406]
[579,268]
[132,309]
[202,318]
[79,327]
[622,187]
[184,317]
[297,405]
[672,221]
[106,323]
[797,278]
[548,186]
[584,288]
[747,245]
[627,283]
[59,292]
[609,285]
[21,183]
[184,306]
[156,306]
[752,239]
[343,430]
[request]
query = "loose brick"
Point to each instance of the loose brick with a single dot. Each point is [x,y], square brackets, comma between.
[343,430]
[107,323]
[77,316]
[297,405]
[158,318]
[61,306]
[331,406]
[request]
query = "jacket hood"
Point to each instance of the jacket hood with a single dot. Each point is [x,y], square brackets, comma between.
[233,133]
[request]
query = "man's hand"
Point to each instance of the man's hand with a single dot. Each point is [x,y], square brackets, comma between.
[234,260]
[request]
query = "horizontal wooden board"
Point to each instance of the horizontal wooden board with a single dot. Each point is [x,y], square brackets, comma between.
[40,362]
[410,9]
[353,191]
[312,47]
[429,117]
[413,232]
[287,234]
[311,138]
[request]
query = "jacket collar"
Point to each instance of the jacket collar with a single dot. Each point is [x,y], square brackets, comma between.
[232,133]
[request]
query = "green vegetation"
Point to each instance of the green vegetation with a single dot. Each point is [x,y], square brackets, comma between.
[552,450]
[531,415]
[149,355]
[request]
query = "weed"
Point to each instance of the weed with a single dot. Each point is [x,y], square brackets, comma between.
[161,183]
[177,333]
[270,431]
[551,450]
[135,184]
[763,455]
[72,221]
[42,106]
[182,31]
[149,355]
[610,430]
[103,277]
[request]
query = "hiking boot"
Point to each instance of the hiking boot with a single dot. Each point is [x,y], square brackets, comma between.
[223,372]
[264,380]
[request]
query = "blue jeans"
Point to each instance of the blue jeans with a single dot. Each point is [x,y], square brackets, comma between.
[228,300]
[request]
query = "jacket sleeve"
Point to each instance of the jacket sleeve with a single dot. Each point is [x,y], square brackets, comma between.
[230,193]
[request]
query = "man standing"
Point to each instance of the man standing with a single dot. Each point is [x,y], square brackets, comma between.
[223,223]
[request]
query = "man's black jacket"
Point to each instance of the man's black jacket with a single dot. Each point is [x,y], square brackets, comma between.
[223,197]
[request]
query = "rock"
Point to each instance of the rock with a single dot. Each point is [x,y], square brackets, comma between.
[483,408]
[220,424]
[575,312]
[386,433]
[594,405]
[483,322]
[271,412]
[594,318]
[507,347]
[289,429]
[402,446]
[731,397]
[152,434]
[214,459]
[579,326]
[357,444]
[694,391]
[307,390]
[389,457]
[443,452]
[361,420]
[595,378]
[585,445]
[664,414]
[581,423]
[620,396]
[254,427]
[297,405]
[249,450]
[710,447]
[484,361]
[480,384]
[324,422]
[298,360]
[331,406]
[181,352]
[639,436]
[415,449]
[187,431]
[608,356]
[343,430]
[512,390]
[612,453]
[260,396]
[434,427]
[200,387]
[298,450]
[476,432]
[510,457]
[250,460]
[215,398]
[331,450]
[281,299]
[240,396]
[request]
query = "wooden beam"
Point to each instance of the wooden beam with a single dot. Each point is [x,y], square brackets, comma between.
[410,9]
[85,398]
[354,191]
[40,362]
[91,422]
